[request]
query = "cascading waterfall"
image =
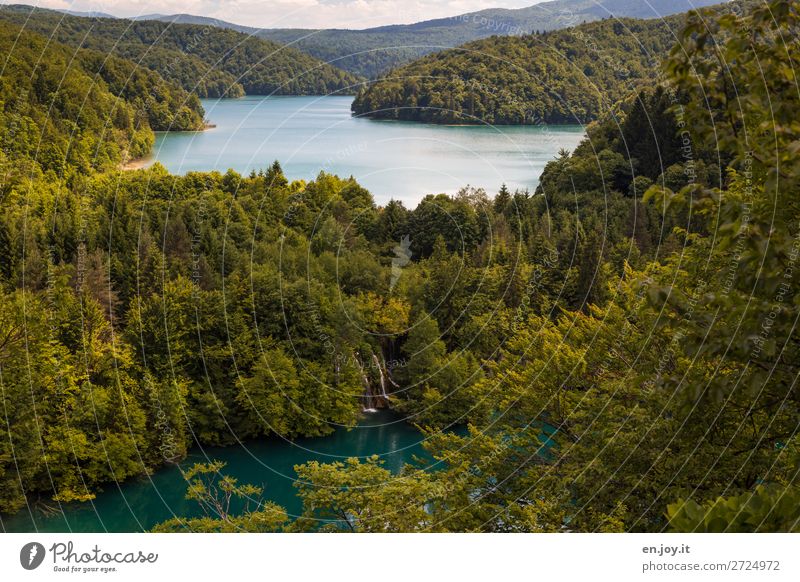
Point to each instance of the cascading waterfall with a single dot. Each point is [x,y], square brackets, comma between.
[368,395]
[389,375]
[372,398]
[383,378]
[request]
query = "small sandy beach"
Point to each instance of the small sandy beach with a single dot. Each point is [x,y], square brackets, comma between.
[136,164]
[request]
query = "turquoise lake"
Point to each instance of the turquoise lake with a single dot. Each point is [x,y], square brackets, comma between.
[399,160]
[139,504]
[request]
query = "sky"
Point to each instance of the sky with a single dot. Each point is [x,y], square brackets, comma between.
[289,13]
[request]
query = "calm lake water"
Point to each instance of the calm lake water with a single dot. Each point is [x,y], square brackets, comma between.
[397,160]
[139,504]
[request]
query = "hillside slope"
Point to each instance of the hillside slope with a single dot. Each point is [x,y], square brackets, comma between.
[63,108]
[206,60]
[183,18]
[374,51]
[566,76]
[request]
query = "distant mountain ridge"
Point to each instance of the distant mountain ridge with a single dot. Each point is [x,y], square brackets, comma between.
[371,52]
[554,14]
[183,18]
[89,14]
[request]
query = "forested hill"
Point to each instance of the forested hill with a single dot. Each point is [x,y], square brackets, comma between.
[183,18]
[374,51]
[65,109]
[565,76]
[205,60]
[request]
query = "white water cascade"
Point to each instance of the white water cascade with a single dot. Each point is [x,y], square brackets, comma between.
[368,397]
[383,377]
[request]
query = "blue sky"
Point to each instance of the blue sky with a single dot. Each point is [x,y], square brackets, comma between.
[291,13]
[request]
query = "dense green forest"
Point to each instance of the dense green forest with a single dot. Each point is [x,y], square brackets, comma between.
[68,111]
[621,344]
[564,76]
[205,60]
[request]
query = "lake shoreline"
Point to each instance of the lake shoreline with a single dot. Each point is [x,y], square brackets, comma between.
[393,160]
[137,163]
[143,162]
[140,502]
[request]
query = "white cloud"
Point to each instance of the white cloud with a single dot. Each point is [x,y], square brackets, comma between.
[291,13]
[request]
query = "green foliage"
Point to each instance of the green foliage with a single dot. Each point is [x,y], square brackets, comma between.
[63,114]
[204,60]
[674,402]
[166,106]
[78,429]
[227,506]
[282,400]
[615,364]
[770,508]
[361,497]
[568,76]
[438,386]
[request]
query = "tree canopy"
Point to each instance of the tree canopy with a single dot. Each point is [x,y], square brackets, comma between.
[618,349]
[574,75]
[204,60]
